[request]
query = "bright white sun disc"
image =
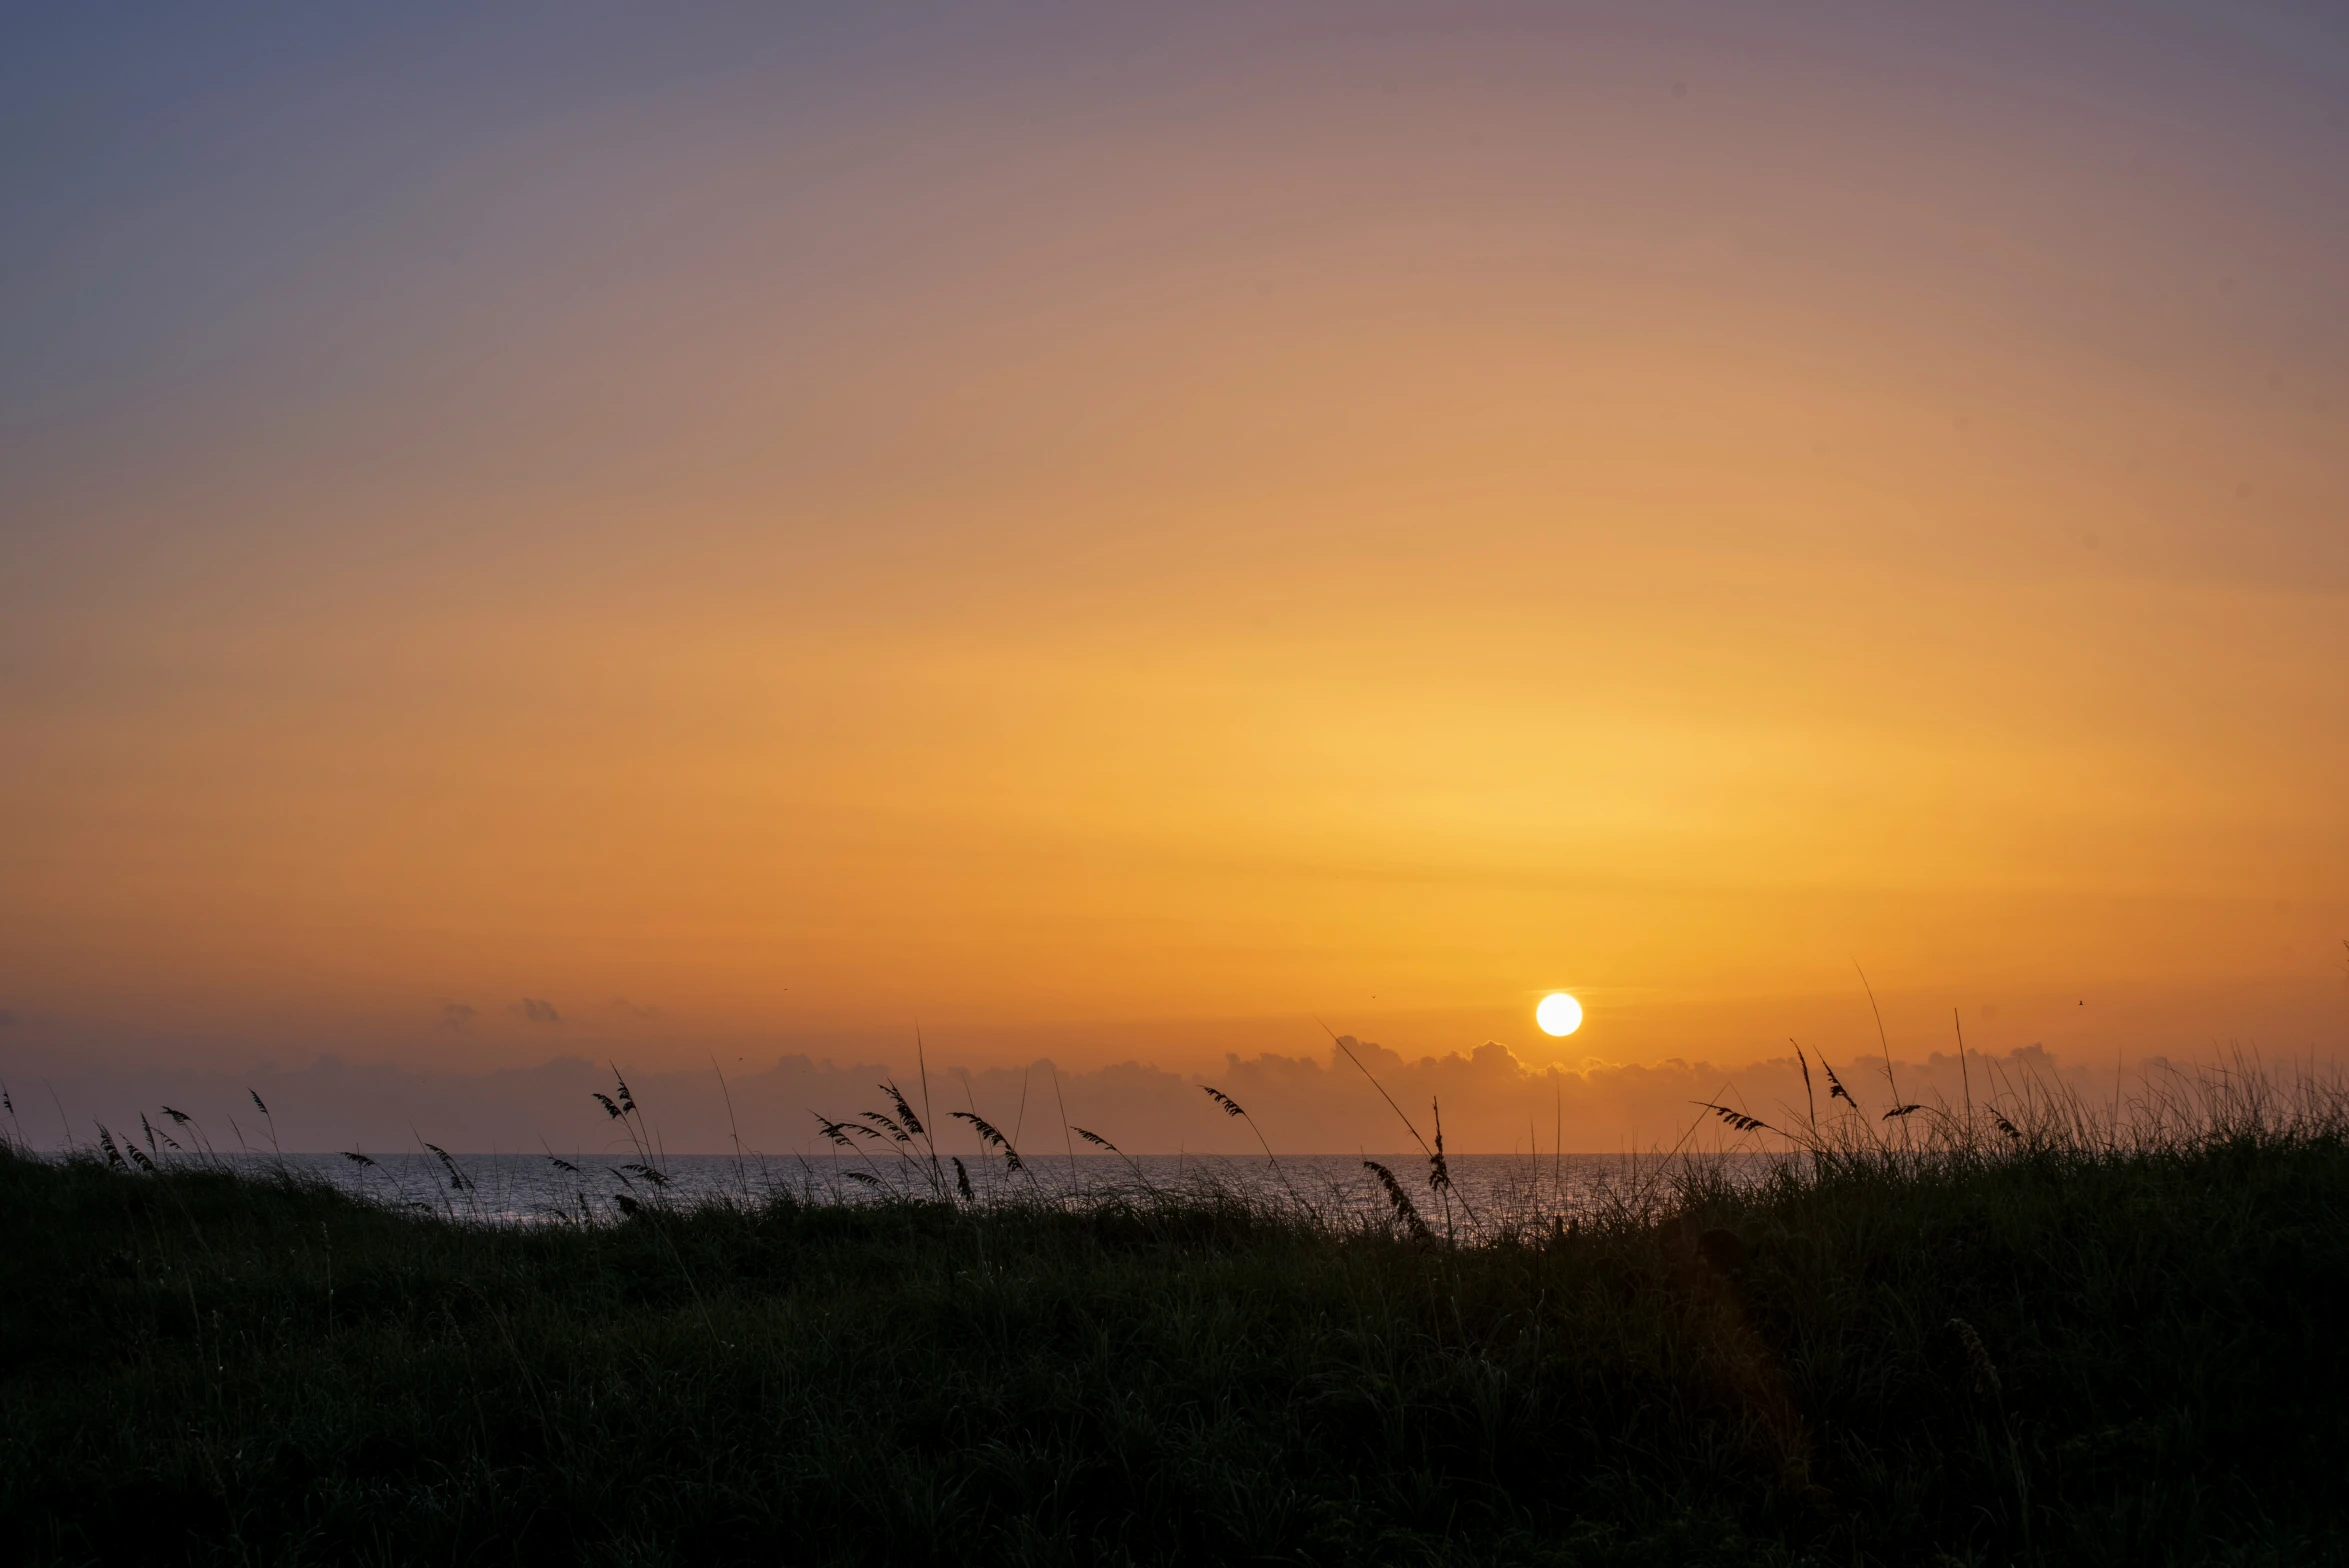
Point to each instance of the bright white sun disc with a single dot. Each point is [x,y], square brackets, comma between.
[1558,1014]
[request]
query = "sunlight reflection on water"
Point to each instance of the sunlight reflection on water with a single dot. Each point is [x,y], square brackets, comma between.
[1494,1189]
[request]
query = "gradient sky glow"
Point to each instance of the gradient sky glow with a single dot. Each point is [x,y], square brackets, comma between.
[1132,528]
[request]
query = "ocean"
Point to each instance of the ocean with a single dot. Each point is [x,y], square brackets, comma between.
[1486,1190]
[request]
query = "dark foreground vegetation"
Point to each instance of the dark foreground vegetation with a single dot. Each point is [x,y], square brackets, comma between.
[2062,1347]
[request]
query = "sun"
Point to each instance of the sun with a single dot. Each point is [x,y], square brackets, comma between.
[1558,1014]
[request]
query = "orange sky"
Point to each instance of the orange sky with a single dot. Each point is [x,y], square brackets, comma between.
[1127,536]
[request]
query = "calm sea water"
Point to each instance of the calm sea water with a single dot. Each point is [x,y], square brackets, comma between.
[522,1189]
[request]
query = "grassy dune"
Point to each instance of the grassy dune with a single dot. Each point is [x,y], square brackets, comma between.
[2063,1346]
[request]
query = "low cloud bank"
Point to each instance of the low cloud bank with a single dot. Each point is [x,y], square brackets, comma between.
[1491,1102]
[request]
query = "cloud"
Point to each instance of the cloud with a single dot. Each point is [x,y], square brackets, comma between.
[454,1015]
[535,1011]
[1493,1103]
[624,1008]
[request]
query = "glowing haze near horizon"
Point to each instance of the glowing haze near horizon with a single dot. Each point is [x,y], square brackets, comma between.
[1117,532]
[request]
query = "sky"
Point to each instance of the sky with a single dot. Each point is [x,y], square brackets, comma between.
[1158,534]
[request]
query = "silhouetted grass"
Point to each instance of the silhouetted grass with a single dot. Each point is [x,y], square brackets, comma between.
[2074,1343]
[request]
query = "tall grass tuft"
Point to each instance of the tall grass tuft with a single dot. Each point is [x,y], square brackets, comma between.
[1406,1212]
